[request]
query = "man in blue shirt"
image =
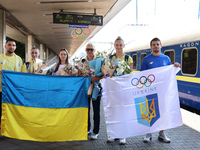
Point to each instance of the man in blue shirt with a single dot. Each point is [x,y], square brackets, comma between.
[154,60]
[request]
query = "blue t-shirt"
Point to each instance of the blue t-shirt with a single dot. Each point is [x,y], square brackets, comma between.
[151,61]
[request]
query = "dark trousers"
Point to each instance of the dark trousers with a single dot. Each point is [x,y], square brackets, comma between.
[96,114]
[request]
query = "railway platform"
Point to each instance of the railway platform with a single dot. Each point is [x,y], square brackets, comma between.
[186,137]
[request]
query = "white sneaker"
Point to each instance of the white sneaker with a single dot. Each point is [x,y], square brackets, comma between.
[89,132]
[94,136]
[162,137]
[147,138]
[122,141]
[110,140]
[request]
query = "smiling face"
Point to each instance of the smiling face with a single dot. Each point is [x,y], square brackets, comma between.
[90,51]
[119,45]
[35,54]
[63,55]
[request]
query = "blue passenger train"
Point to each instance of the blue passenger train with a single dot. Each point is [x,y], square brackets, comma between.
[183,49]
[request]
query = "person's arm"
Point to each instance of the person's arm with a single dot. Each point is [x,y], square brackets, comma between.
[94,78]
[131,66]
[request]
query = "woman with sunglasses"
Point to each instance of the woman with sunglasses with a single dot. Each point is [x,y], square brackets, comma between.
[63,62]
[90,49]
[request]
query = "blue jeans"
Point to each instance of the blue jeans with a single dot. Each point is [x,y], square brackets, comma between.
[96,115]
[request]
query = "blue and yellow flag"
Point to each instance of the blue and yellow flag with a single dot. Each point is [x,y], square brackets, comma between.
[44,108]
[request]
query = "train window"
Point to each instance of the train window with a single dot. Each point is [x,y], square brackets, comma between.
[189,61]
[171,54]
[141,58]
[135,61]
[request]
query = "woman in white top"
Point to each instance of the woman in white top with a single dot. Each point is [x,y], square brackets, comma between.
[63,61]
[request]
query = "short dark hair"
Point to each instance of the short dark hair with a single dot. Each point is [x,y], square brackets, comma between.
[34,47]
[155,39]
[10,41]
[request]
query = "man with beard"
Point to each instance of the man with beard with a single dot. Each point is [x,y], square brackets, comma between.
[9,61]
[154,60]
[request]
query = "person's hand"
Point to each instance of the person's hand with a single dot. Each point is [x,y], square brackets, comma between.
[176,64]
[1,72]
[86,75]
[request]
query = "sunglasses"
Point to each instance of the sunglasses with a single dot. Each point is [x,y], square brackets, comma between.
[89,49]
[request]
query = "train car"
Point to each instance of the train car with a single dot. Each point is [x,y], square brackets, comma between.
[183,49]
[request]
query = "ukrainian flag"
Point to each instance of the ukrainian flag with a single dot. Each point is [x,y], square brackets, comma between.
[44,108]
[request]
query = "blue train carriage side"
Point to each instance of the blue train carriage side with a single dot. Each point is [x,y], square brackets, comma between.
[185,50]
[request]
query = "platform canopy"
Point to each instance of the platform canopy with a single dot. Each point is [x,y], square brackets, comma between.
[35,17]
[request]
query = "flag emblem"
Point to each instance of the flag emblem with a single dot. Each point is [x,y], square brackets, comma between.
[147,109]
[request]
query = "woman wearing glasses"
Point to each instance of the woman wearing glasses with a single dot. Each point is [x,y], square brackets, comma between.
[90,49]
[63,62]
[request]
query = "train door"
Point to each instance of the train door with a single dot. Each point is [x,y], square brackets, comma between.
[135,61]
[171,54]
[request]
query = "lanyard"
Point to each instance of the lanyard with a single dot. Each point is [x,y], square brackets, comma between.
[16,61]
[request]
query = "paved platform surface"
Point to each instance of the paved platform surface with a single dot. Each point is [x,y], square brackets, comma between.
[186,137]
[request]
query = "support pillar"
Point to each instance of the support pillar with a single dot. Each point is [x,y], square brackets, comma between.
[29,46]
[42,51]
[2,30]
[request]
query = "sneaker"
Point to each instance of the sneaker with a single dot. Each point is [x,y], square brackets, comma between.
[162,137]
[94,136]
[89,132]
[147,138]
[122,141]
[110,140]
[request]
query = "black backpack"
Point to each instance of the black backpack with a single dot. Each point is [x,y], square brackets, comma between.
[126,57]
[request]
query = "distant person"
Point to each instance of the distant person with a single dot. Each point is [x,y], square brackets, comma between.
[154,60]
[32,65]
[62,63]
[116,58]
[9,61]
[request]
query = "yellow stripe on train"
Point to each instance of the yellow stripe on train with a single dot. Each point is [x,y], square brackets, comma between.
[188,79]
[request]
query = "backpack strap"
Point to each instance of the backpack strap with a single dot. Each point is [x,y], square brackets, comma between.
[111,56]
[126,57]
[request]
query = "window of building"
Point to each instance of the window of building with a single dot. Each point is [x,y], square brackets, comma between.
[171,54]
[141,58]
[135,59]
[189,61]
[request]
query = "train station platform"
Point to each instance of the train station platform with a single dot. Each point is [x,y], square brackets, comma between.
[186,137]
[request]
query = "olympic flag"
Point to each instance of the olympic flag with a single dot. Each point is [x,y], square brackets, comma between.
[142,102]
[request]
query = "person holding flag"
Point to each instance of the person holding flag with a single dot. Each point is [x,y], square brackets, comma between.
[154,60]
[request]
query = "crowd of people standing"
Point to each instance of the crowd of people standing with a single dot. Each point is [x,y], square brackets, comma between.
[11,61]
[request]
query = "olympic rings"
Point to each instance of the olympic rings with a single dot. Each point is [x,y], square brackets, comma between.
[78,33]
[144,81]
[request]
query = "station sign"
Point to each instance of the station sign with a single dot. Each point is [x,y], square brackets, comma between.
[77,19]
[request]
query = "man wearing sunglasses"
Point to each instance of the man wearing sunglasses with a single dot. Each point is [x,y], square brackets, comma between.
[33,64]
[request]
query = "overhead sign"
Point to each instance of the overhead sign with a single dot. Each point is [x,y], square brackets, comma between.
[77,19]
